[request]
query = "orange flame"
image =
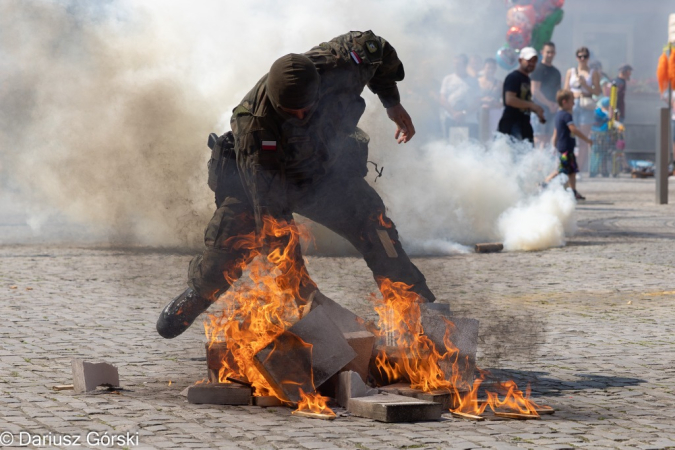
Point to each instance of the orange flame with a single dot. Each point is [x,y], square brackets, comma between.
[258,309]
[416,359]
[384,221]
[314,403]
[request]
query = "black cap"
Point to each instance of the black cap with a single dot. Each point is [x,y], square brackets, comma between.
[625,67]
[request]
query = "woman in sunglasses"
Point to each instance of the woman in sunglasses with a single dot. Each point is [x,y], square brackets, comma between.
[584,83]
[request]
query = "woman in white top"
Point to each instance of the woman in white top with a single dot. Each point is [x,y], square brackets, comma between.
[584,83]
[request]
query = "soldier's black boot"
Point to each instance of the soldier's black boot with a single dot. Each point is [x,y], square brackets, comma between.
[178,315]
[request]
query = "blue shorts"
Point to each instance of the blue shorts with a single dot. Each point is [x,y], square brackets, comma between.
[582,116]
[543,129]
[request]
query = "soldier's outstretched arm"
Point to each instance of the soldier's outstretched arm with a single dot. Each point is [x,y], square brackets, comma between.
[405,129]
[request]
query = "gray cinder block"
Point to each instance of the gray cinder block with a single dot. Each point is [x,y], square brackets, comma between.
[330,350]
[219,394]
[350,385]
[346,321]
[286,364]
[88,376]
[362,343]
[394,408]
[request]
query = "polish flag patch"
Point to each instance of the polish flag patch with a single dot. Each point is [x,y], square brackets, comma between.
[269,145]
[355,57]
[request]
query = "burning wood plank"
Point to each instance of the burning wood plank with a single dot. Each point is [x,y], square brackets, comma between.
[313,415]
[519,416]
[467,416]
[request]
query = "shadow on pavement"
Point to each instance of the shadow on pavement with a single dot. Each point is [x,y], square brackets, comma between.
[544,386]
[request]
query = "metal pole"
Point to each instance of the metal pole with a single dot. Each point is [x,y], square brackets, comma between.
[662,151]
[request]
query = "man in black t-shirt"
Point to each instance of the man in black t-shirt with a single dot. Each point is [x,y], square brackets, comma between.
[517,97]
[546,82]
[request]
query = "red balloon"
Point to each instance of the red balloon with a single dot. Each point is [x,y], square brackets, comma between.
[517,37]
[558,3]
[523,17]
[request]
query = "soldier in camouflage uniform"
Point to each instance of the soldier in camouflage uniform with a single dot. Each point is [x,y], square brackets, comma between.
[298,149]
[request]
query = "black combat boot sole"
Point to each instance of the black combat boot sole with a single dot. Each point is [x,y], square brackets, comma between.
[180,313]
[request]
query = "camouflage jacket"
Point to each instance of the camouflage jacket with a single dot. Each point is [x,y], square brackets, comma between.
[346,65]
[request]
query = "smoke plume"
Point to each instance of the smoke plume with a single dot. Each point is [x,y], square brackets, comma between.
[106,107]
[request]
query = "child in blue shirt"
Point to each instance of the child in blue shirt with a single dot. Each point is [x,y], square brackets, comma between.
[563,139]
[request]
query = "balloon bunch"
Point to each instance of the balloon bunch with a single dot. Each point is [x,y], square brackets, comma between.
[531,22]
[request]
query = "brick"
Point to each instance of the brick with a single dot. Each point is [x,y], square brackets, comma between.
[330,350]
[88,376]
[394,408]
[286,363]
[219,394]
[350,385]
[489,248]
[362,343]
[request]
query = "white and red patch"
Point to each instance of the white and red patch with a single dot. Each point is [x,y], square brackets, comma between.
[355,57]
[269,145]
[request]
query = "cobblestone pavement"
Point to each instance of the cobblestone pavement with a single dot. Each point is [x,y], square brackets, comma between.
[590,325]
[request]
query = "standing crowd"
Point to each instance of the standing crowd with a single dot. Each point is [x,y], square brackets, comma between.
[535,103]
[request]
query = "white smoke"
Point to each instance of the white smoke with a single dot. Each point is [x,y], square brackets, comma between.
[106,107]
[444,195]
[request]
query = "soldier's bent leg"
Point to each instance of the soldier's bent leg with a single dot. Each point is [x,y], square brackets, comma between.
[351,208]
[211,273]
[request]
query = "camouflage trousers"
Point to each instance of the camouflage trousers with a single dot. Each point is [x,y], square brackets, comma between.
[340,200]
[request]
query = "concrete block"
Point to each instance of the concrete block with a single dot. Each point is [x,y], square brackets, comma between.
[362,343]
[219,394]
[330,350]
[489,248]
[266,401]
[463,335]
[218,354]
[346,321]
[446,398]
[394,408]
[286,363]
[350,385]
[88,376]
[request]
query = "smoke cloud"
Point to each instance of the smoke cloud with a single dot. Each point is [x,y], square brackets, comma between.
[106,107]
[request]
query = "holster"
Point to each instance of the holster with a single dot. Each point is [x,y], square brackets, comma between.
[223,159]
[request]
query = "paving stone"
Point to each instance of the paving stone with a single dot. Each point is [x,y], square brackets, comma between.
[362,343]
[219,394]
[394,408]
[350,385]
[330,351]
[88,376]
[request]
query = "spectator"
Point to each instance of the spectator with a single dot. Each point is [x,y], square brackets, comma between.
[584,83]
[475,66]
[563,136]
[546,82]
[625,72]
[491,93]
[459,102]
[517,98]
[605,82]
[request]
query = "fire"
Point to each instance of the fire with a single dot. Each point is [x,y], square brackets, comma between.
[314,403]
[413,357]
[384,221]
[260,308]
[416,357]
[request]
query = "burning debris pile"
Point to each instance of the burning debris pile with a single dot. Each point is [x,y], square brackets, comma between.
[271,345]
